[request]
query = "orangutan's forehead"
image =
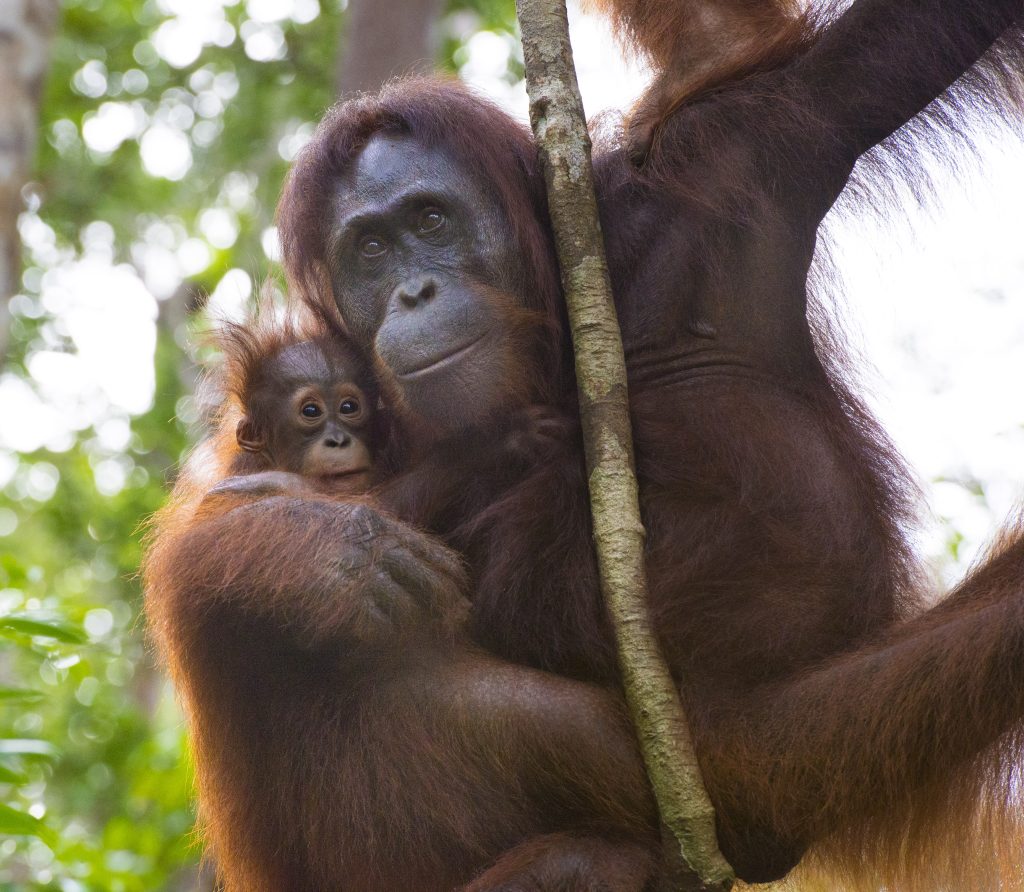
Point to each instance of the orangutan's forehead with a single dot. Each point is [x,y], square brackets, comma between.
[393,160]
[309,362]
[394,171]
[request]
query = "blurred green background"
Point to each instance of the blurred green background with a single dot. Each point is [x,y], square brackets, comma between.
[164,131]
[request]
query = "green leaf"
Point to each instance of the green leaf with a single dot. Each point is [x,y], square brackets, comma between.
[18,823]
[20,695]
[13,746]
[40,628]
[10,776]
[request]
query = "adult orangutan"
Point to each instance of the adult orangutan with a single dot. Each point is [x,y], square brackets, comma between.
[827,709]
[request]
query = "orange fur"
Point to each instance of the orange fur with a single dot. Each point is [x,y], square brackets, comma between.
[697,45]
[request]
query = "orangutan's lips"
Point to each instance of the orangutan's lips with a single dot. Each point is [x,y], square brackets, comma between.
[341,475]
[448,359]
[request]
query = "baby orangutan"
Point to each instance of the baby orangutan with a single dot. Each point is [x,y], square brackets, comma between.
[308,415]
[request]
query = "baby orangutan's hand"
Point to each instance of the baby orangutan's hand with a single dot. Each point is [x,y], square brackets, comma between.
[263,484]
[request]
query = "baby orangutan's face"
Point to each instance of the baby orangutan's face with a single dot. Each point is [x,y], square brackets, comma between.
[317,419]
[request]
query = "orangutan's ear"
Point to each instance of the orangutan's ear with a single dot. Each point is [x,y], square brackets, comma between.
[248,436]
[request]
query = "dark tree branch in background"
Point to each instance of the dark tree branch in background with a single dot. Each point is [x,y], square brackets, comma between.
[26,27]
[556,112]
[384,39]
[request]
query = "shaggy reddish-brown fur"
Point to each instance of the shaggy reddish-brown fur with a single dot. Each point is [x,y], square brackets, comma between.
[829,710]
[697,45]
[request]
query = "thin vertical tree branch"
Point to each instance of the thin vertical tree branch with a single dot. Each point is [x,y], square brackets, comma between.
[556,112]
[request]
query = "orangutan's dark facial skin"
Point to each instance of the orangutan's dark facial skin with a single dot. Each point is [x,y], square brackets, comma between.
[422,273]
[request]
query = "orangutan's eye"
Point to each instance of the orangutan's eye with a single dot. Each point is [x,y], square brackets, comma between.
[311,410]
[431,221]
[372,247]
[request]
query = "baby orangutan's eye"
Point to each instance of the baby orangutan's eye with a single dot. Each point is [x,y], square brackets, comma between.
[349,406]
[311,410]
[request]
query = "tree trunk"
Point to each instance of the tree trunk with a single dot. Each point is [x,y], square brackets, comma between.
[384,39]
[556,112]
[26,27]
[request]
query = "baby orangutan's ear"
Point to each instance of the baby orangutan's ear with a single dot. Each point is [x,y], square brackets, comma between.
[248,436]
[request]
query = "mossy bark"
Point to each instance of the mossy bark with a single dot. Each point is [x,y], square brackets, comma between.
[556,112]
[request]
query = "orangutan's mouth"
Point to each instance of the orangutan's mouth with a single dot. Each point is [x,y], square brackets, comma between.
[342,475]
[435,363]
